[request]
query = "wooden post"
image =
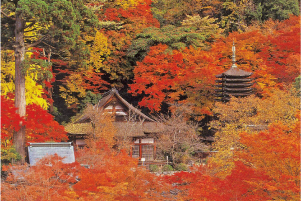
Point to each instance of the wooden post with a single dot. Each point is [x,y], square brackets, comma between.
[140,149]
[154,148]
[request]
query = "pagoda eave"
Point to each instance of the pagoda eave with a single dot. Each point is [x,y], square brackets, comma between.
[233,94]
[237,89]
[232,76]
[234,85]
[234,80]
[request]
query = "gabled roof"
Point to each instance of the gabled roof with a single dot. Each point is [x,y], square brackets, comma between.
[107,97]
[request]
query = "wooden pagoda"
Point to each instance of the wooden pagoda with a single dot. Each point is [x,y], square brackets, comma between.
[233,82]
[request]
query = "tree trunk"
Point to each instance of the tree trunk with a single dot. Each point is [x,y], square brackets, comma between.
[20,102]
[49,89]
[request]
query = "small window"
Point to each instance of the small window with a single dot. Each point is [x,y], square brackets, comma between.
[143,148]
[135,151]
[148,152]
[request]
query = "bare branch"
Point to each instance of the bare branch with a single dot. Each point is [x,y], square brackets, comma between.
[48,45]
[7,15]
[7,46]
[36,43]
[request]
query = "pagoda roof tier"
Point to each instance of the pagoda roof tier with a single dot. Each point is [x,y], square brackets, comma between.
[234,89]
[234,80]
[233,94]
[234,72]
[237,89]
[235,84]
[238,94]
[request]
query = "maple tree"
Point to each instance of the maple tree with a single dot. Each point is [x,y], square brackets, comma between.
[42,127]
[185,76]
[282,52]
[244,183]
[40,124]
[169,52]
[279,161]
[75,86]
[11,121]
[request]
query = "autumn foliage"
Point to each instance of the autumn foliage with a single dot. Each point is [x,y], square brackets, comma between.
[109,176]
[116,176]
[9,118]
[277,153]
[262,172]
[165,54]
[267,168]
[40,125]
[50,179]
[166,76]
[177,76]
[244,183]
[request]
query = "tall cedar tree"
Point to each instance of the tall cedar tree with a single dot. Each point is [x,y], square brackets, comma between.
[60,21]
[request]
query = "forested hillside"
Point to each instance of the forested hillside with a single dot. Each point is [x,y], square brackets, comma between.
[58,56]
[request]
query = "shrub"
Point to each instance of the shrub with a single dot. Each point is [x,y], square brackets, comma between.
[153,168]
[181,167]
[167,168]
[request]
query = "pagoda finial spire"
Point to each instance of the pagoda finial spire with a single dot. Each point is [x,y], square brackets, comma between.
[233,56]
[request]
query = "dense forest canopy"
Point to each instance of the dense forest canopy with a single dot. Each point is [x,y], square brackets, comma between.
[58,56]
